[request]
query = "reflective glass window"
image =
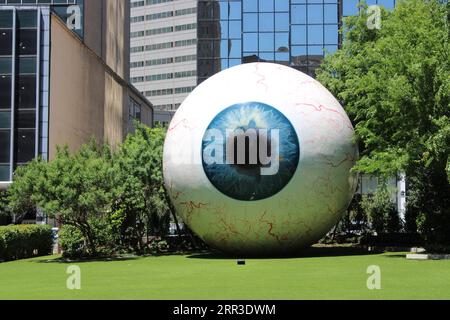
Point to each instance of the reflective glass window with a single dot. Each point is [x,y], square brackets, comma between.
[298,34]
[27,65]
[5,92]
[266,5]
[282,5]
[330,13]
[5,42]
[235,29]
[250,22]
[266,42]
[331,34]
[235,10]
[250,5]
[388,4]
[298,14]
[315,34]
[5,65]
[350,7]
[26,88]
[25,145]
[27,18]
[250,41]
[282,22]
[282,42]
[5,141]
[315,13]
[6,19]
[4,172]
[27,41]
[26,119]
[266,22]
[5,119]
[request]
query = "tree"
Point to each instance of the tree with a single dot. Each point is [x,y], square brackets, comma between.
[76,190]
[394,83]
[381,212]
[5,215]
[140,208]
[21,192]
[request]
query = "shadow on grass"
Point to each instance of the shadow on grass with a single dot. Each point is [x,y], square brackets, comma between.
[313,252]
[396,256]
[68,261]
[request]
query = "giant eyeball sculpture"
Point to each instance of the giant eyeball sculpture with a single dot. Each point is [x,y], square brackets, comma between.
[258,159]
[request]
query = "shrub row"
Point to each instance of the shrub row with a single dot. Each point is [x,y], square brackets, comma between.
[25,241]
[393,240]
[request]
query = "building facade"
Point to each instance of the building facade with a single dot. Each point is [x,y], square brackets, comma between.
[164,52]
[64,78]
[177,44]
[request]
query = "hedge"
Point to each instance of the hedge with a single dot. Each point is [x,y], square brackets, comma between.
[25,241]
[393,240]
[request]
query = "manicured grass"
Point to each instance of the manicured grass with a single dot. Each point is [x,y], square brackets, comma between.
[212,277]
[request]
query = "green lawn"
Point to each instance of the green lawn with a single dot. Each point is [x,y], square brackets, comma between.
[209,277]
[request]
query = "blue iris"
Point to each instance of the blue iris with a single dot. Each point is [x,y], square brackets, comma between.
[245,179]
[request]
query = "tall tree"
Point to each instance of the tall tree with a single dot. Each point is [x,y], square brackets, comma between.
[140,208]
[76,189]
[395,84]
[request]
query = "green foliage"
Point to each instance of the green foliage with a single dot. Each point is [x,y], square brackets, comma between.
[394,83]
[71,241]
[429,203]
[5,215]
[21,192]
[140,208]
[25,241]
[381,211]
[74,244]
[355,220]
[106,201]
[76,189]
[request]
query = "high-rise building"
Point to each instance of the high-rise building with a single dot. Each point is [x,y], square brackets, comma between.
[164,52]
[177,44]
[64,78]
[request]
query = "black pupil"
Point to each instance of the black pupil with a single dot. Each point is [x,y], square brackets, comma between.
[247,167]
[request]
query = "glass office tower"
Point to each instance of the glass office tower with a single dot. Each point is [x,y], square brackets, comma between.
[296,33]
[167,61]
[24,80]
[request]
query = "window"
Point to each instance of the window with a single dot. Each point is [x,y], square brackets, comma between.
[26,92]
[5,92]
[6,19]
[4,146]
[5,42]
[25,145]
[134,111]
[27,42]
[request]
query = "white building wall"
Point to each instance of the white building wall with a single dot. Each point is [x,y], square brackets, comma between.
[145,87]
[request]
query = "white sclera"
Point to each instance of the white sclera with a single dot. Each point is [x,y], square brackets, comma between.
[312,202]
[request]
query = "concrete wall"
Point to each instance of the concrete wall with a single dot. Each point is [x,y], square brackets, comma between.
[107,32]
[87,99]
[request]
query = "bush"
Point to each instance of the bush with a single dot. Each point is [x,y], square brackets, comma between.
[25,241]
[381,211]
[392,240]
[5,216]
[71,242]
